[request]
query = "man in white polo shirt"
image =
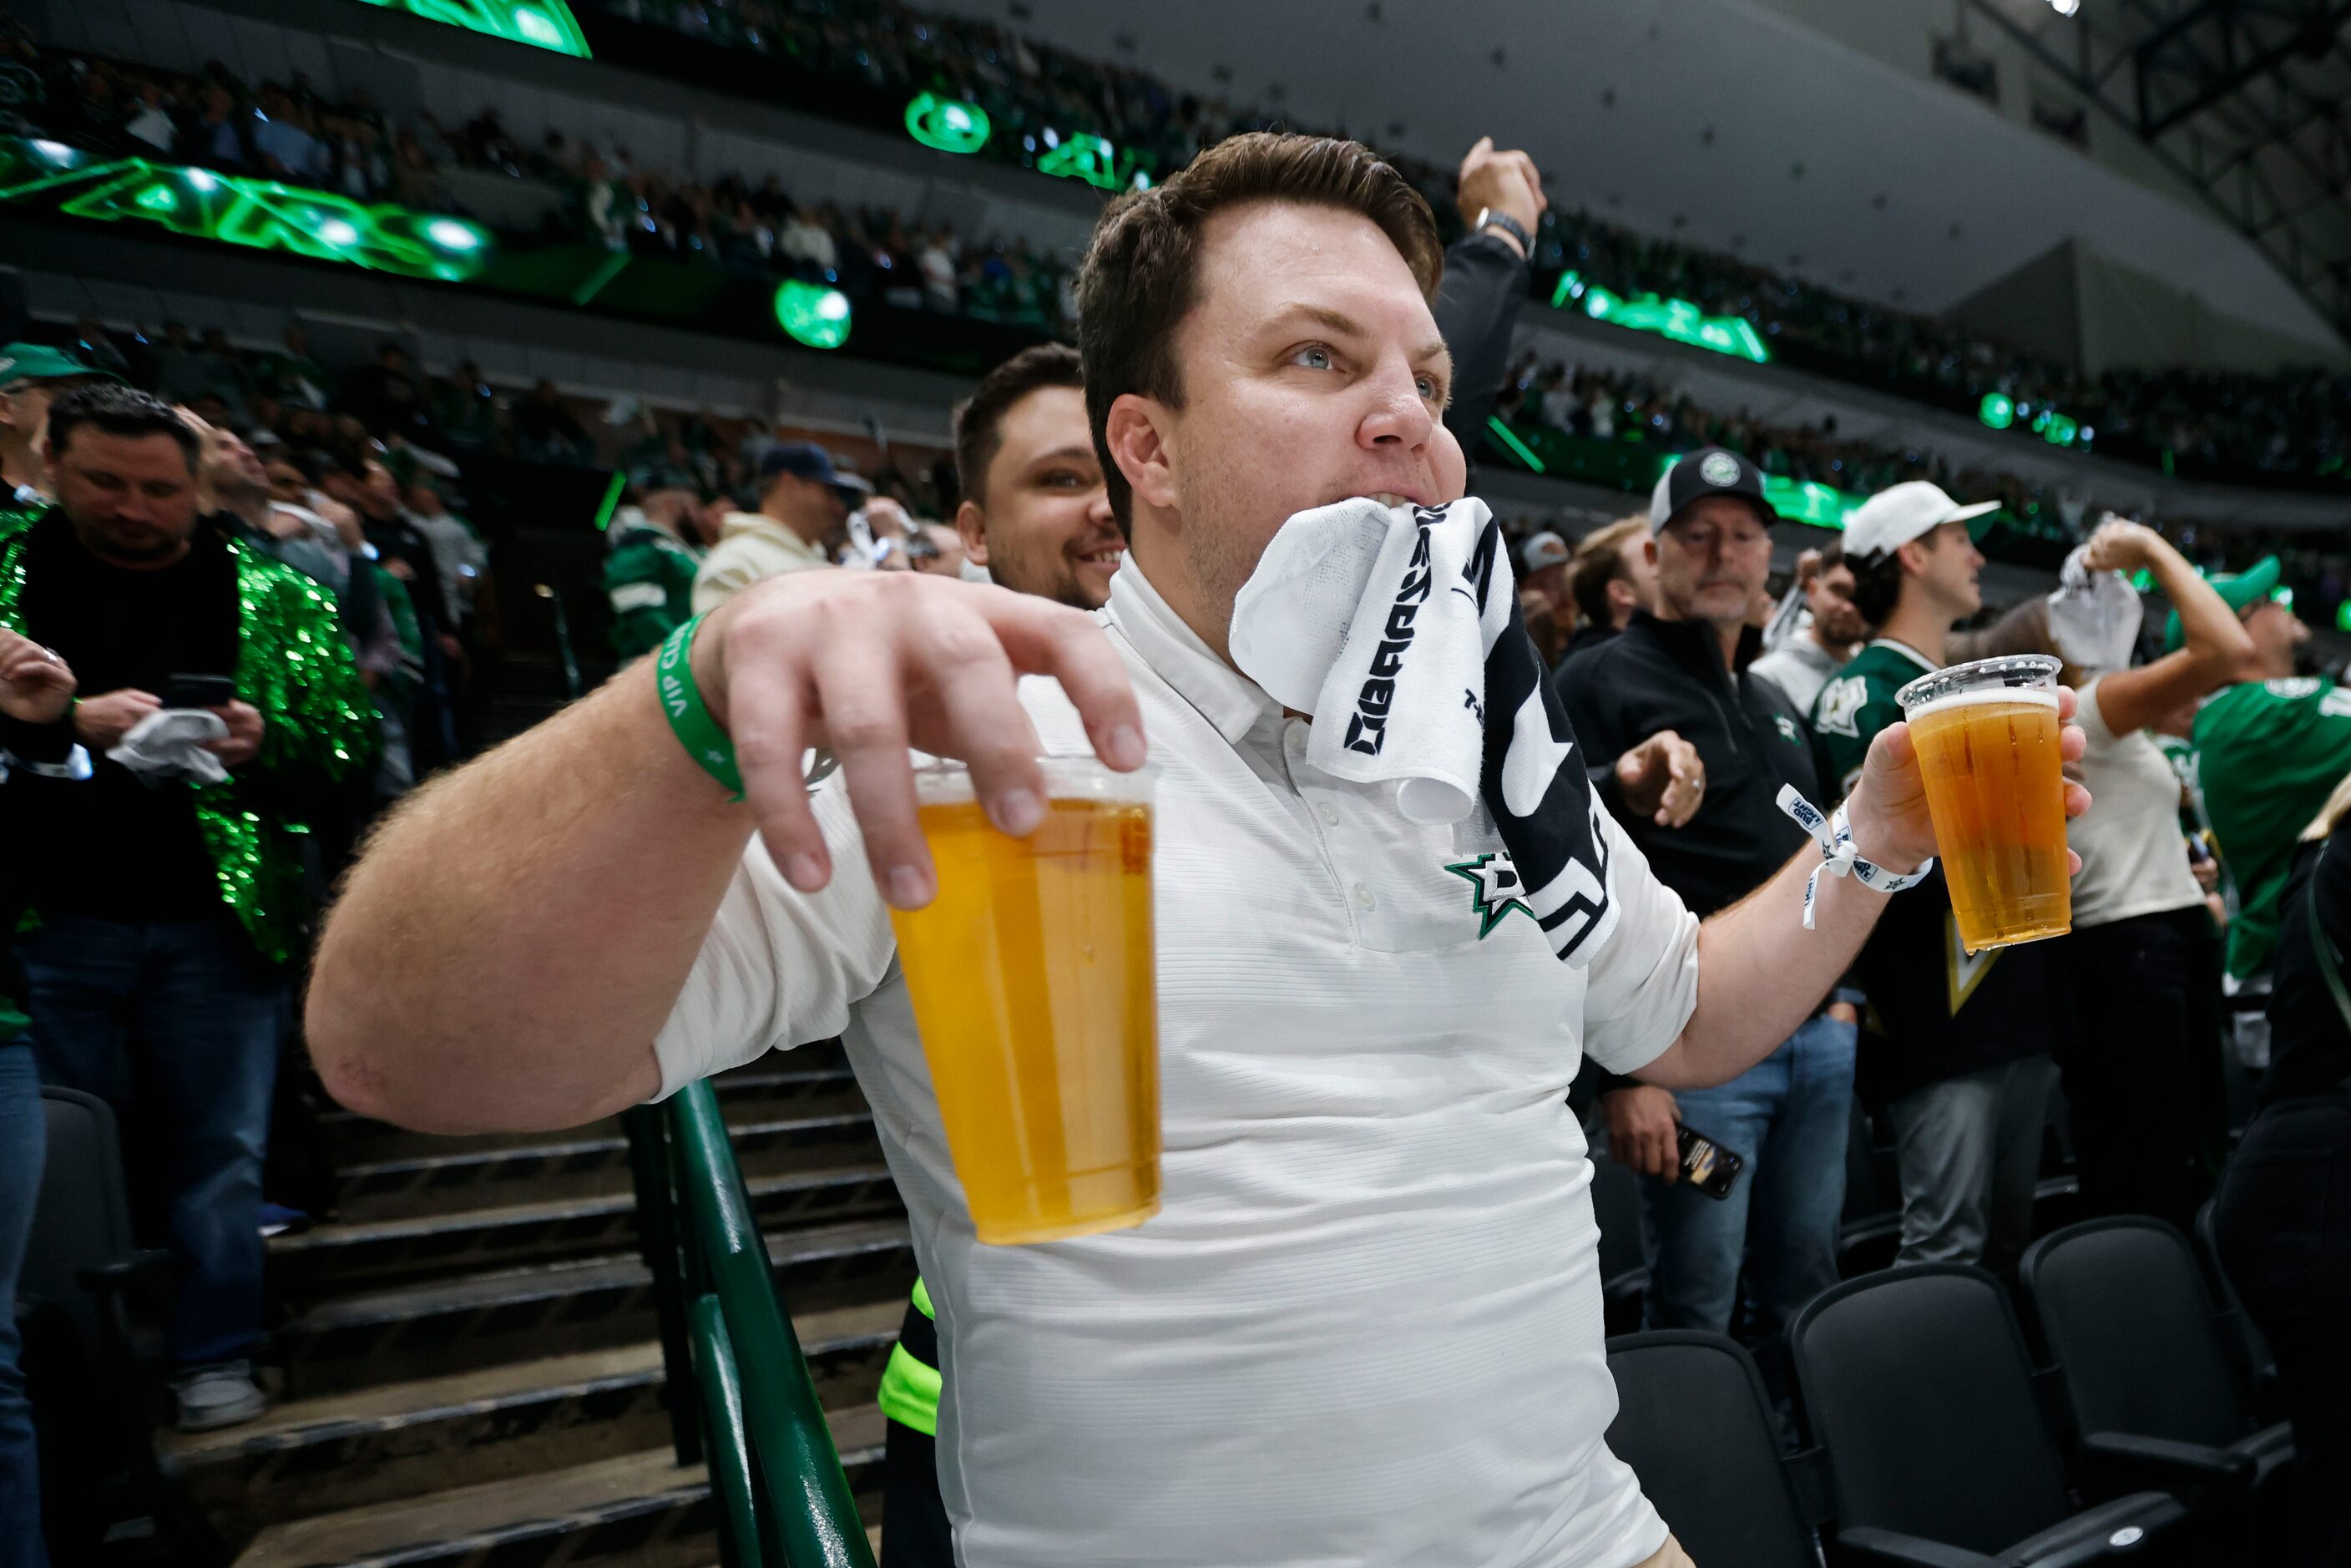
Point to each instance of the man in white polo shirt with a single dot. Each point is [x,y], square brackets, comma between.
[1366,1326]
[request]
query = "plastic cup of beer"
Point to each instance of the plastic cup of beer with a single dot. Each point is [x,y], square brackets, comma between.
[1986,735]
[1031,977]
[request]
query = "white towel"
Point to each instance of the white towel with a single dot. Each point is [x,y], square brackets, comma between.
[2093,616]
[168,746]
[1370,618]
[1399,631]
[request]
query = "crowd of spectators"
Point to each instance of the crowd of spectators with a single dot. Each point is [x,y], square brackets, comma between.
[2286,426]
[610,197]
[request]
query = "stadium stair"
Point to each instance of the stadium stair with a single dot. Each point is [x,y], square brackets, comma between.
[469,1358]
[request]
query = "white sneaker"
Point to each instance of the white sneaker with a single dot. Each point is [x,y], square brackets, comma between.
[218,1395]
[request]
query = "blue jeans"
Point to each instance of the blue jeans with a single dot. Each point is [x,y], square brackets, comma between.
[23,1140]
[1787,1117]
[176,1024]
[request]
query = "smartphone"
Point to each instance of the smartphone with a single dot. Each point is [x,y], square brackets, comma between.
[1707,1164]
[200,690]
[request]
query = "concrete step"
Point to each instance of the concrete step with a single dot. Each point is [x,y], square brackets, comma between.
[359,1340]
[834,1130]
[436,1245]
[354,1450]
[777,1084]
[642,1509]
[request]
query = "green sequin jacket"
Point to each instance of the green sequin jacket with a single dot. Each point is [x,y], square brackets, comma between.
[318,729]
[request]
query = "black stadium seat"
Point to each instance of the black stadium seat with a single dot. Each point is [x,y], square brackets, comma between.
[92,1364]
[1693,1422]
[2156,1390]
[1917,1382]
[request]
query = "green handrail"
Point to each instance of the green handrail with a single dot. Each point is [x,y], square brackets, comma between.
[730,1439]
[802,1497]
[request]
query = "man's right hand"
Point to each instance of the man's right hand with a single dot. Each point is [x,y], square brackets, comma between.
[1644,1131]
[36,686]
[1663,779]
[100,722]
[872,663]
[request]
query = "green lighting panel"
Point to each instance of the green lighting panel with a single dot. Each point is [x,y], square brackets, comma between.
[812,314]
[268,216]
[1802,501]
[947,124]
[1997,410]
[542,24]
[1678,320]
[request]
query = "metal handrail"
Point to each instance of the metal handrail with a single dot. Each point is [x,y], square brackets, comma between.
[770,1452]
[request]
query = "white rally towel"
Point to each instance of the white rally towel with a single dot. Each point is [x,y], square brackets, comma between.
[1368,617]
[168,746]
[1398,629]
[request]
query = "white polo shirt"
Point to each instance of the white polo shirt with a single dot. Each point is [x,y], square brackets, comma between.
[1366,1326]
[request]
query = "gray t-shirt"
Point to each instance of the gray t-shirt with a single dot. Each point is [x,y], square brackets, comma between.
[1800,667]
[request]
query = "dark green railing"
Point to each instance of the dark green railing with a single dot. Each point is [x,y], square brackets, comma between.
[740,1389]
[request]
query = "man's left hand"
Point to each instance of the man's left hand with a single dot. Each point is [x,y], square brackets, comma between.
[243,738]
[1506,182]
[1891,826]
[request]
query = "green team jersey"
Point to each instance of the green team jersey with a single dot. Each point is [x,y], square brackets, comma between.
[1992,1008]
[2268,754]
[1857,703]
[648,578]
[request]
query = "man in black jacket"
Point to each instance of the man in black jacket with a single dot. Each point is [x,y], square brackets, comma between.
[1670,691]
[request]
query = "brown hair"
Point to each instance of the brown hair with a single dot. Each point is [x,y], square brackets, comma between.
[979,419]
[1141,272]
[1876,585]
[1599,562]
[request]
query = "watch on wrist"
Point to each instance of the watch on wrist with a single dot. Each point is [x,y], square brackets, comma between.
[1494,218]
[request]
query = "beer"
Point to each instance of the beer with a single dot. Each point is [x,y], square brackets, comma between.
[1986,735]
[1031,976]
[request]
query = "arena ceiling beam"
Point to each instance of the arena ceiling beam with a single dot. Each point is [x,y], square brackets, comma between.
[2242,101]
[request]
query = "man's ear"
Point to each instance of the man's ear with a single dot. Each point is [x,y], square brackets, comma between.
[8,410]
[1136,434]
[971,527]
[1914,554]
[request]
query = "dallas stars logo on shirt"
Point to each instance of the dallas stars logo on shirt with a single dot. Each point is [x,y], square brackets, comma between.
[1842,701]
[1497,889]
[1787,728]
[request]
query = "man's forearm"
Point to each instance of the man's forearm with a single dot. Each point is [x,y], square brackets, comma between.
[505,951]
[1760,973]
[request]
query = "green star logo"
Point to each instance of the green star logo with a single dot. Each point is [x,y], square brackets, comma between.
[1497,889]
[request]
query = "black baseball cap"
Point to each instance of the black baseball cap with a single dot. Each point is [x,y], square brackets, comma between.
[1710,471]
[807,460]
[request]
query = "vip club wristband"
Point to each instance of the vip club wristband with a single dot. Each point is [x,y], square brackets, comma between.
[680,701]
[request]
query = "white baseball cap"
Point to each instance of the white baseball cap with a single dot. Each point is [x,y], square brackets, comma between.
[1895,516]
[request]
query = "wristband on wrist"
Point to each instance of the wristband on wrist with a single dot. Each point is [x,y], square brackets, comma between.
[689,717]
[1834,835]
[1495,218]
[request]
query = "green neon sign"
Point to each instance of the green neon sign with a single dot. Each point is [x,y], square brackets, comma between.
[1998,410]
[542,24]
[947,124]
[262,213]
[812,314]
[1680,319]
[1510,438]
[1082,155]
[1803,501]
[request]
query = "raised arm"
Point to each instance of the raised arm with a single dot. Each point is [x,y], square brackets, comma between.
[2215,644]
[1760,973]
[512,941]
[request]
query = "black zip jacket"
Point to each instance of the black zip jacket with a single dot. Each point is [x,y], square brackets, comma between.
[1668,675]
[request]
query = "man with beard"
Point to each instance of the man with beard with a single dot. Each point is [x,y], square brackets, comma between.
[170,896]
[1802,665]
[32,375]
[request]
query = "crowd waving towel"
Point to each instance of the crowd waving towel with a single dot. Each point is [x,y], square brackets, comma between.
[1398,630]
